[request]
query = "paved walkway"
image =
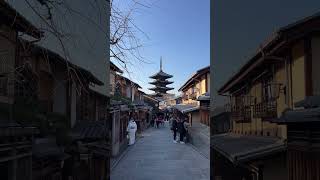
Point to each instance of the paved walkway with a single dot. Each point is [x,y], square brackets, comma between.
[156,157]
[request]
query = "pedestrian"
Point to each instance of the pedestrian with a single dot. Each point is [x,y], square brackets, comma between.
[158,122]
[170,121]
[174,128]
[181,130]
[152,122]
[167,117]
[131,129]
[186,125]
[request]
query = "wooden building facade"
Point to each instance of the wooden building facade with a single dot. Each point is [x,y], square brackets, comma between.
[197,85]
[39,88]
[15,140]
[196,92]
[281,73]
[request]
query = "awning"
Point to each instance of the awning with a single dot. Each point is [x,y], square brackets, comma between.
[124,108]
[300,115]
[309,102]
[241,149]
[183,107]
[191,109]
[204,97]
[309,111]
[218,110]
[89,130]
[47,148]
[102,149]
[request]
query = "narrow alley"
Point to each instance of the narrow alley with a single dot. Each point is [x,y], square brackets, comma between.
[156,157]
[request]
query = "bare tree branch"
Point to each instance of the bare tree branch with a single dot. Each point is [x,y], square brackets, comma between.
[126,36]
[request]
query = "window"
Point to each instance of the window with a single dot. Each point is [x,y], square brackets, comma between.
[267,94]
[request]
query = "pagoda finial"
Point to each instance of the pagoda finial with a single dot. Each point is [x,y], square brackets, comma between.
[160,63]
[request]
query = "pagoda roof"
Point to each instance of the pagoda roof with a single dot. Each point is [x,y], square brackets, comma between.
[161,74]
[157,96]
[160,88]
[161,82]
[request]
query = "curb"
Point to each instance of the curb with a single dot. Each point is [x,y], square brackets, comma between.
[124,153]
[201,153]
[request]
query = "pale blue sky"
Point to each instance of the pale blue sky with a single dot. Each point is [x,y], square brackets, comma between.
[179,31]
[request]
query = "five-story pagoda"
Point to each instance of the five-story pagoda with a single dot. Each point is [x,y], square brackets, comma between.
[161,82]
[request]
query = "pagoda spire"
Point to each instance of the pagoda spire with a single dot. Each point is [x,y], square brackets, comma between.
[160,82]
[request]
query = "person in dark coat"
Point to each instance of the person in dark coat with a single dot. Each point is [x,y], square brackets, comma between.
[152,121]
[174,128]
[181,130]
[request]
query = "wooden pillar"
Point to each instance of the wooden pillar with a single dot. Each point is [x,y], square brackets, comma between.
[30,167]
[13,166]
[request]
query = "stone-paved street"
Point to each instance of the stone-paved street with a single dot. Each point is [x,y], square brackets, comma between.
[156,157]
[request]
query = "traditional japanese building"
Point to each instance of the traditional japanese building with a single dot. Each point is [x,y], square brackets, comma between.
[274,109]
[161,82]
[196,93]
[15,139]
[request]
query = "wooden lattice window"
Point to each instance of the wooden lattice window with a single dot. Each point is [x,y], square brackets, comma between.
[240,107]
[266,109]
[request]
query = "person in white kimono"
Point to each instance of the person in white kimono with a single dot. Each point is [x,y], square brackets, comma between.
[131,129]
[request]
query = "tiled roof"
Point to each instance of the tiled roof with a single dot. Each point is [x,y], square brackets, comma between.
[300,115]
[115,68]
[309,102]
[103,149]
[138,103]
[191,109]
[182,107]
[10,16]
[128,80]
[166,82]
[89,130]
[194,76]
[240,149]
[161,74]
[83,73]
[47,148]
[309,111]
[204,97]
[161,88]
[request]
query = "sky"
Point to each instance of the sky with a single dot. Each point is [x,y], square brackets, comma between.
[179,31]
[241,26]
